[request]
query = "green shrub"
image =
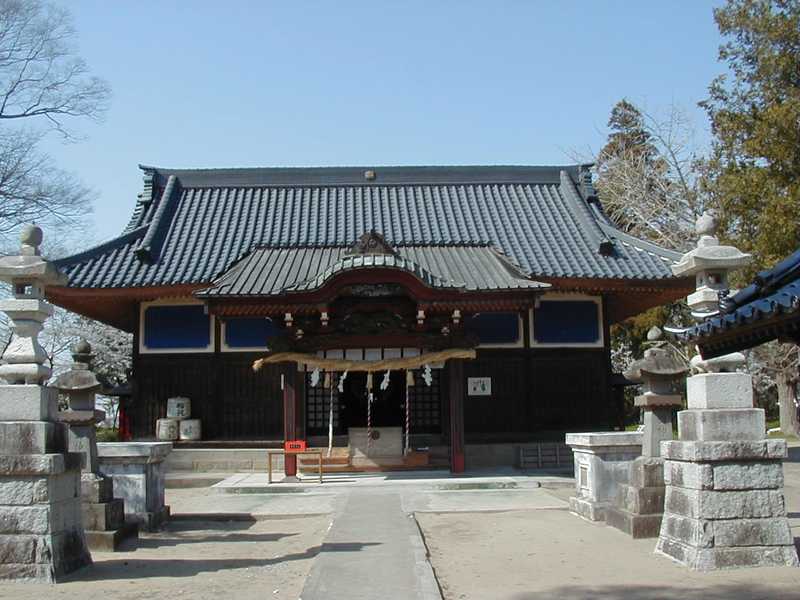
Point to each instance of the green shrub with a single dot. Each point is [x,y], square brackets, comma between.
[107,434]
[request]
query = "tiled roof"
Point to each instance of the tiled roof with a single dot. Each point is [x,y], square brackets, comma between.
[190,226]
[275,271]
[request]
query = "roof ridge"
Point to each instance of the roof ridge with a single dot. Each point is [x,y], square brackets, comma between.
[363,175]
[645,245]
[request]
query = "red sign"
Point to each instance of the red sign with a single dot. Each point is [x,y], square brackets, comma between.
[294,446]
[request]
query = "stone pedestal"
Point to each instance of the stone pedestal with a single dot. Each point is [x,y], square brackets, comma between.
[639,504]
[602,462]
[724,503]
[103,515]
[138,472]
[41,537]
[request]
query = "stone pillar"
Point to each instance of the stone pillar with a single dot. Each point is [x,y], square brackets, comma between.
[41,534]
[602,462]
[639,503]
[103,515]
[139,475]
[725,505]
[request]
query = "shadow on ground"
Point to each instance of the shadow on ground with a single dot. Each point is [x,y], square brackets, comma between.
[643,592]
[128,568]
[178,534]
[132,568]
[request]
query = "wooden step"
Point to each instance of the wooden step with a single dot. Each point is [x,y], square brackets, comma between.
[326,460]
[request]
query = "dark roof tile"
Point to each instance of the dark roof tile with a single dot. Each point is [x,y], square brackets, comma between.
[534,215]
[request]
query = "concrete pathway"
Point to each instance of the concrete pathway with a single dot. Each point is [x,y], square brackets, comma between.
[373,550]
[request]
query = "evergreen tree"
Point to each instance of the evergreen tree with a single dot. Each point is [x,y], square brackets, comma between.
[754,169]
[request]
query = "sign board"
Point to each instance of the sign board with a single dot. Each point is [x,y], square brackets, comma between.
[479,386]
[294,446]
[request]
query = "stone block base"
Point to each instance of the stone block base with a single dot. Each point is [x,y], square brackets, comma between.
[711,559]
[110,541]
[588,509]
[724,506]
[96,489]
[150,521]
[103,516]
[641,500]
[639,505]
[736,424]
[636,526]
[42,558]
[41,534]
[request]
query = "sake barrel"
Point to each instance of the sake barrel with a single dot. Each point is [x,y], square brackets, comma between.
[167,429]
[179,408]
[190,429]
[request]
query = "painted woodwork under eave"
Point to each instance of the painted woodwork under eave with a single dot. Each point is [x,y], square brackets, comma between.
[119,306]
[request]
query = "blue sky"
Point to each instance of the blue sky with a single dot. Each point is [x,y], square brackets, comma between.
[246,83]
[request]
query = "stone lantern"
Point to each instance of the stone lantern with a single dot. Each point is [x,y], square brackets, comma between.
[103,515]
[659,372]
[639,504]
[710,263]
[42,534]
[724,504]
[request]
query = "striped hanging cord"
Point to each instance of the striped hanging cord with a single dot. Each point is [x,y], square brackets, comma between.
[330,415]
[409,385]
[369,411]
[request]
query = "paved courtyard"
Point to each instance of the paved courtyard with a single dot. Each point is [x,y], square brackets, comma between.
[504,537]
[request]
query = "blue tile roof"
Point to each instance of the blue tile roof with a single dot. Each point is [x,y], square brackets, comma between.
[190,226]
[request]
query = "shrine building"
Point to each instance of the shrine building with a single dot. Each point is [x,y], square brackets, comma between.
[516,266]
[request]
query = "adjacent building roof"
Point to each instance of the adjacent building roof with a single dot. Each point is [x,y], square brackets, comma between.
[191,226]
[771,309]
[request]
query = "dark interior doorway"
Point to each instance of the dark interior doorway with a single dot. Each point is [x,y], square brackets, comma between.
[388,406]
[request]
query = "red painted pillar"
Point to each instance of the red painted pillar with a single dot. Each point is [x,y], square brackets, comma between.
[289,382]
[456,385]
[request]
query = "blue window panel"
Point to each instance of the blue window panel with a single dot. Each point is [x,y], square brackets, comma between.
[249,332]
[176,327]
[495,328]
[566,322]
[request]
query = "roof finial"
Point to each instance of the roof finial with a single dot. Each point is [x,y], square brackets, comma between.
[706,227]
[30,239]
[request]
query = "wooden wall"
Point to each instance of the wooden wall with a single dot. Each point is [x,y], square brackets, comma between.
[537,391]
[532,391]
[233,401]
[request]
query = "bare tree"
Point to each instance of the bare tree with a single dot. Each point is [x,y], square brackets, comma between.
[33,190]
[44,86]
[40,74]
[776,373]
[648,178]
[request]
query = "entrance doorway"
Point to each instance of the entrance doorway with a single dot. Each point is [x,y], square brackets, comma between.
[387,406]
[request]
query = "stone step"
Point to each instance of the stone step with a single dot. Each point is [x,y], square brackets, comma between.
[635,525]
[104,516]
[640,500]
[545,455]
[110,541]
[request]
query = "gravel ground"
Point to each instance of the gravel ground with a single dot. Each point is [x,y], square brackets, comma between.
[532,554]
[197,561]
